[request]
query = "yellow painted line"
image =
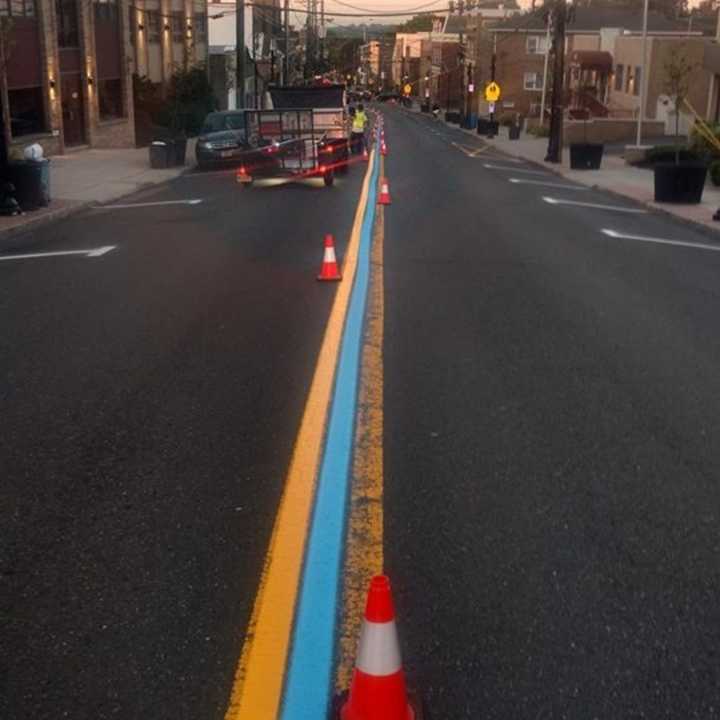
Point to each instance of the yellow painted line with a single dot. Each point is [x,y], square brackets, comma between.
[364,548]
[258,684]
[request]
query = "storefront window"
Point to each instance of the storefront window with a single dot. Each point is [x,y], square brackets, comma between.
[27,111]
[110,99]
[17,8]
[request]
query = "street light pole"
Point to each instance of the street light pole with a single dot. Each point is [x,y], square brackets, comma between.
[545,71]
[239,54]
[286,60]
[643,77]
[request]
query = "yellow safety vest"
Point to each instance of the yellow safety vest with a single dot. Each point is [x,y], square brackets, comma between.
[359,122]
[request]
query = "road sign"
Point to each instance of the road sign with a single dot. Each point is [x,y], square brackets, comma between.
[408,89]
[471,88]
[492,92]
[491,107]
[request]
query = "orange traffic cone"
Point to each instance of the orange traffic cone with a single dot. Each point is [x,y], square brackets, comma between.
[384,198]
[329,269]
[378,689]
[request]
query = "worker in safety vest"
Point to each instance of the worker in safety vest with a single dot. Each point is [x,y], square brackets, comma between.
[359,125]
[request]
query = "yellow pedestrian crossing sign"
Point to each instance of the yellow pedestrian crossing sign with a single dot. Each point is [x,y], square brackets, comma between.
[408,89]
[492,92]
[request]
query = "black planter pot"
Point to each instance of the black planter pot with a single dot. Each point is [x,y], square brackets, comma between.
[493,128]
[683,183]
[482,126]
[514,132]
[452,117]
[586,156]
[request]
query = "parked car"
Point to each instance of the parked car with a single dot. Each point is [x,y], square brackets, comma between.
[222,138]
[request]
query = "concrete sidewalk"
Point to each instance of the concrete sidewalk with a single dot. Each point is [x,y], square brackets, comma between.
[87,177]
[614,176]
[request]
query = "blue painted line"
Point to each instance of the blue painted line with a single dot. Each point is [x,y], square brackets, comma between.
[308,681]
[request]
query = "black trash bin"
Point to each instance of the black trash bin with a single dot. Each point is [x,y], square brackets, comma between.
[160,154]
[31,179]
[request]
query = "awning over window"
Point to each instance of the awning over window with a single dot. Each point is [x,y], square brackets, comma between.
[592,60]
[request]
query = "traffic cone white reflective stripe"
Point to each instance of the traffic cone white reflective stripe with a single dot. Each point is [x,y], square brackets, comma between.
[379,649]
[329,256]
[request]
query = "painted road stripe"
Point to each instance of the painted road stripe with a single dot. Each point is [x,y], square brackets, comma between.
[613,208]
[490,166]
[257,689]
[130,206]
[659,241]
[308,685]
[521,181]
[364,543]
[91,253]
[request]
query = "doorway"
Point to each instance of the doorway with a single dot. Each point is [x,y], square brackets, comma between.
[73,109]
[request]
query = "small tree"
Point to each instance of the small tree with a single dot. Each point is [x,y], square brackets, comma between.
[678,71]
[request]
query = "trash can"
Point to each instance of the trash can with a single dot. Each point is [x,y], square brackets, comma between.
[160,154]
[31,179]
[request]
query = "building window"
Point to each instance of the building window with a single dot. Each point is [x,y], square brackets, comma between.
[619,73]
[27,111]
[637,81]
[106,10]
[178,26]
[201,26]
[533,81]
[110,99]
[536,45]
[17,8]
[153,25]
[629,80]
[67,23]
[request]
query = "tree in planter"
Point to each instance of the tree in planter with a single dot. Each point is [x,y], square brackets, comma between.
[189,100]
[678,71]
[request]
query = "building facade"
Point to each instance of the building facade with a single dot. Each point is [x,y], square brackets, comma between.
[66,74]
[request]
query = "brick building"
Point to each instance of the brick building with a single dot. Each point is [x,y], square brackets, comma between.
[66,78]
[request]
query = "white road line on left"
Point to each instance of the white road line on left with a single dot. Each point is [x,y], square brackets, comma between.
[659,241]
[90,252]
[194,201]
[519,181]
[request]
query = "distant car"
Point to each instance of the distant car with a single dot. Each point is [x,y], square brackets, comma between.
[222,138]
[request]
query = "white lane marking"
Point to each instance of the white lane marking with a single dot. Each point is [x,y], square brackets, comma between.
[91,252]
[490,166]
[519,181]
[659,241]
[194,201]
[597,206]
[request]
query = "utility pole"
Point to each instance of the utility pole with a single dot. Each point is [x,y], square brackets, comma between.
[554,149]
[239,54]
[461,58]
[643,76]
[286,59]
[322,35]
[545,70]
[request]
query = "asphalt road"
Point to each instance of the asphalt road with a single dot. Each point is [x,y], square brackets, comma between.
[552,443]
[150,399]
